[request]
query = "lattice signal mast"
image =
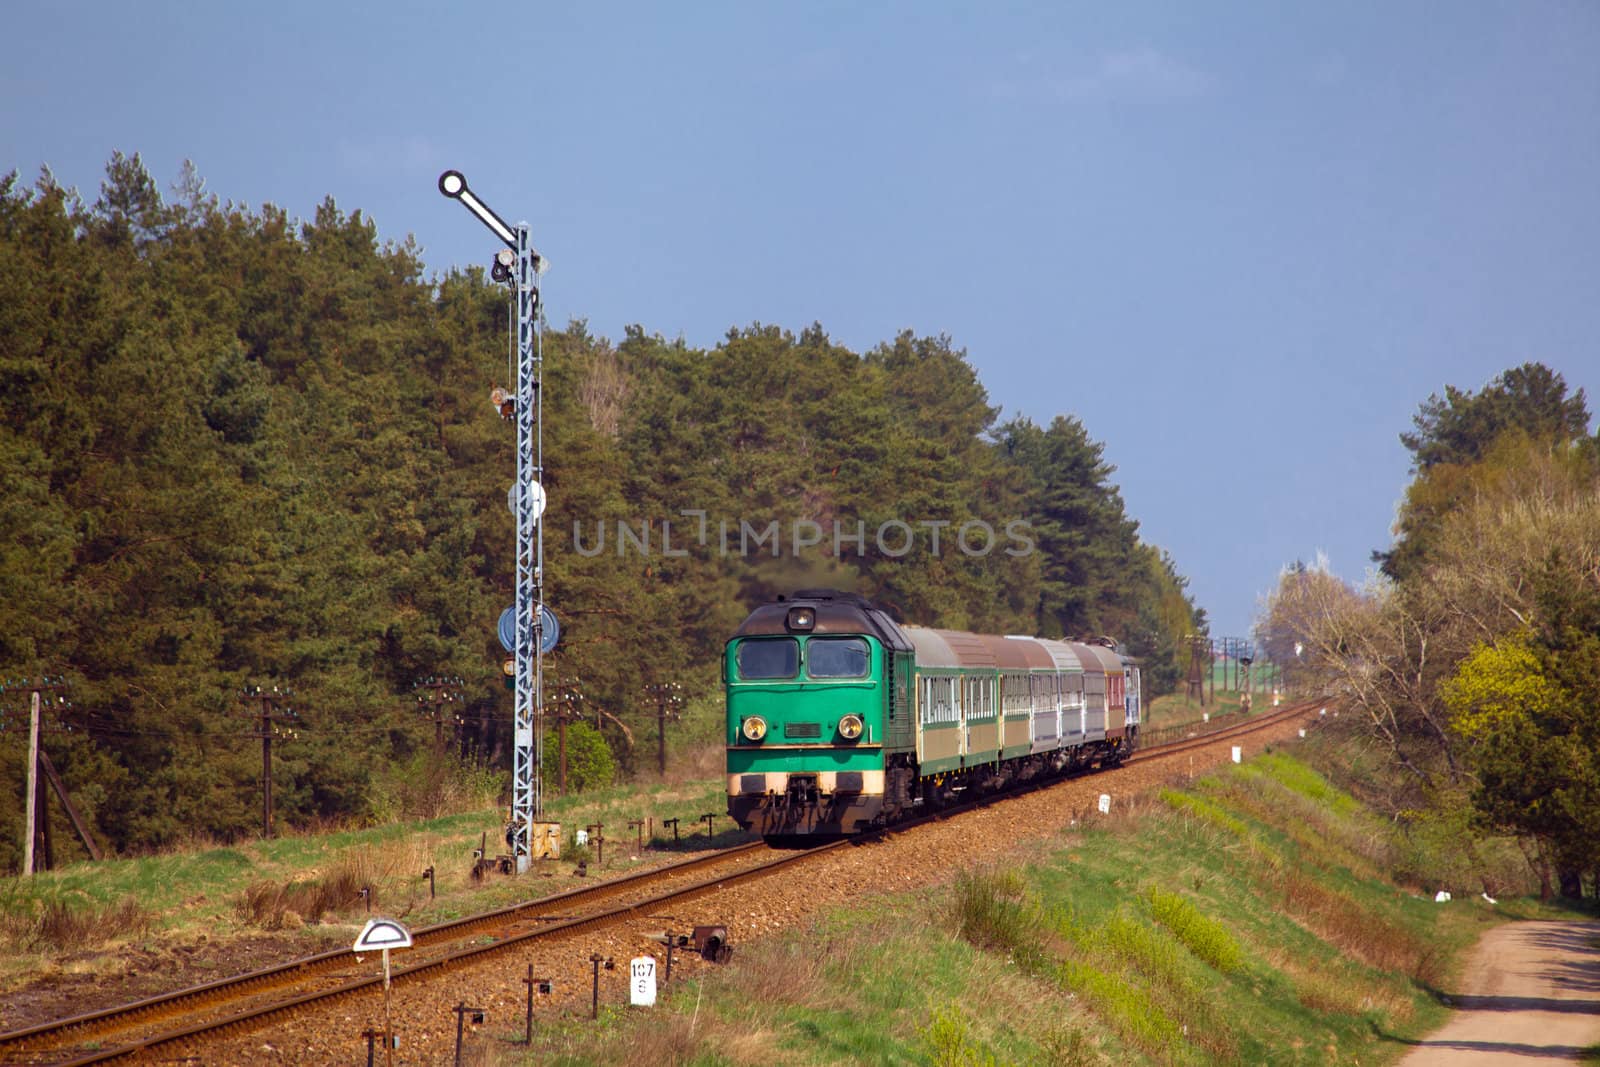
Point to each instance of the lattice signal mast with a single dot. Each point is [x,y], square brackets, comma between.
[519,265]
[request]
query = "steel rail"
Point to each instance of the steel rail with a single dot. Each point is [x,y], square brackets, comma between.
[451,960]
[322,962]
[1225,732]
[305,967]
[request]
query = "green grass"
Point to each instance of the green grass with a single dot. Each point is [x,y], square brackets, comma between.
[310,883]
[1245,918]
[1204,936]
[1209,926]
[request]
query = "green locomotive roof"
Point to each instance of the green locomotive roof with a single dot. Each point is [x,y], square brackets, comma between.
[836,613]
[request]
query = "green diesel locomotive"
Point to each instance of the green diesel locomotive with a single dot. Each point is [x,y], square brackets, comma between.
[841,719]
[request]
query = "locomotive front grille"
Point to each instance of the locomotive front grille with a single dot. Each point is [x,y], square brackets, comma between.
[802,730]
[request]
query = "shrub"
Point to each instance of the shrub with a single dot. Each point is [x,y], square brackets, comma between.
[992,911]
[949,1045]
[590,764]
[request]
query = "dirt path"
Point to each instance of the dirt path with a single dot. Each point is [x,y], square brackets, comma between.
[1530,994]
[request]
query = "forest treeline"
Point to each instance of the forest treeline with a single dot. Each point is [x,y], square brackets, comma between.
[1473,660]
[243,449]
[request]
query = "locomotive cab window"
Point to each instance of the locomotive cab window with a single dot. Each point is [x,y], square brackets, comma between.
[768,658]
[837,657]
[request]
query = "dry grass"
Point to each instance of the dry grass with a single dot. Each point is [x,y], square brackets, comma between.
[59,927]
[1343,923]
[1332,988]
[290,905]
[773,972]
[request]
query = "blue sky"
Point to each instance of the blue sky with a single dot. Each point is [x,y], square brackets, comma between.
[1242,242]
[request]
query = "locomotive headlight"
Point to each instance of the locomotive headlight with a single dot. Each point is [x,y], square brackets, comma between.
[850,727]
[754,728]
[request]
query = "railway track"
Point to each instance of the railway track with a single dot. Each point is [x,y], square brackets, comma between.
[193,1015]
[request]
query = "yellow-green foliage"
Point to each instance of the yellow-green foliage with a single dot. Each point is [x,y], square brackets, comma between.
[948,1038]
[1205,811]
[1299,778]
[1127,1007]
[1496,688]
[1141,947]
[1205,937]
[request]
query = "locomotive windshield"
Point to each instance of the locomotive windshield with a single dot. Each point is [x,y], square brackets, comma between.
[764,658]
[837,657]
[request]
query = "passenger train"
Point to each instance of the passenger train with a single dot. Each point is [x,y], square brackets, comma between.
[842,720]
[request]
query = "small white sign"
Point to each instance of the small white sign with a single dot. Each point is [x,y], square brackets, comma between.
[1302,733]
[1238,753]
[382,934]
[1105,803]
[642,981]
[581,837]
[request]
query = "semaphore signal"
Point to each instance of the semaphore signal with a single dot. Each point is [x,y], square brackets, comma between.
[518,264]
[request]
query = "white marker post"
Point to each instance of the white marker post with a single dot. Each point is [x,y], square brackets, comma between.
[642,981]
[1238,753]
[384,934]
[1105,803]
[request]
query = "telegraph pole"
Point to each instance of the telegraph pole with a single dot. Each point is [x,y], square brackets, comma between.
[43,696]
[1197,657]
[433,696]
[33,783]
[270,723]
[668,698]
[565,696]
[37,818]
[519,265]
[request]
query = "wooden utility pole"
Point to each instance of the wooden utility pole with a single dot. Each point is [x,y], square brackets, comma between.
[33,783]
[433,696]
[270,724]
[565,696]
[668,698]
[36,827]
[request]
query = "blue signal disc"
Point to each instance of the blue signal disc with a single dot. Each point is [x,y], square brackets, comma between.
[551,627]
[508,629]
[552,630]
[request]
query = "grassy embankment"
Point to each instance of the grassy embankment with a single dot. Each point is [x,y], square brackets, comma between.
[79,918]
[1248,918]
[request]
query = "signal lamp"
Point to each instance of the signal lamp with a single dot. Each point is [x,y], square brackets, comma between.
[801,619]
[850,727]
[754,728]
[504,259]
